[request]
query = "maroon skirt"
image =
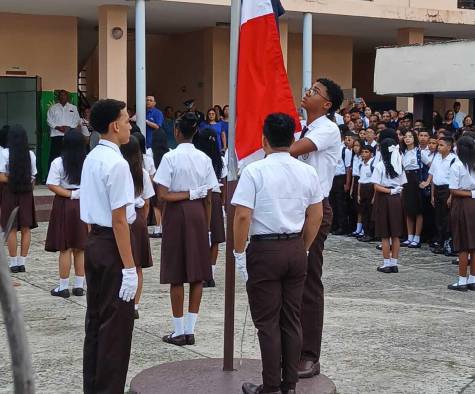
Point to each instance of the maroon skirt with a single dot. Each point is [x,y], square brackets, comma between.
[65,228]
[185,252]
[26,216]
[218,234]
[412,195]
[140,241]
[387,215]
[462,220]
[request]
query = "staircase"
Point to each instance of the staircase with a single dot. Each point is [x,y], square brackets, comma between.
[82,90]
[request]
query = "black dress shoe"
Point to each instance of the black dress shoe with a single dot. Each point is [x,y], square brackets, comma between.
[60,293]
[308,369]
[155,235]
[209,283]
[21,268]
[179,340]
[457,287]
[366,238]
[438,250]
[388,270]
[455,262]
[471,286]
[136,314]
[190,339]
[414,245]
[250,388]
[78,291]
[15,269]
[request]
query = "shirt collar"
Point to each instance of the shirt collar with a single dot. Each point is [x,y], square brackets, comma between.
[185,146]
[110,145]
[322,119]
[279,155]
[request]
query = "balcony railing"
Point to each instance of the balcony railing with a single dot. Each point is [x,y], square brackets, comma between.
[469,4]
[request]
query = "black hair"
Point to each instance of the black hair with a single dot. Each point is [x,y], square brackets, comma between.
[220,110]
[389,133]
[367,147]
[187,124]
[414,135]
[134,128]
[354,110]
[141,140]
[4,136]
[104,112]
[386,156]
[205,141]
[425,130]
[131,153]
[335,94]
[466,152]
[408,116]
[73,154]
[159,146]
[349,133]
[19,162]
[216,119]
[448,140]
[279,129]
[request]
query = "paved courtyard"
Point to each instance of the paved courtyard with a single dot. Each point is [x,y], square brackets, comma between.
[397,333]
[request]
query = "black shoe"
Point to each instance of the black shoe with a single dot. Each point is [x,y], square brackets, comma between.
[457,287]
[438,250]
[190,339]
[366,238]
[414,245]
[211,283]
[288,391]
[136,314]
[60,293]
[388,270]
[379,247]
[455,262]
[15,269]
[250,388]
[78,291]
[471,286]
[405,244]
[434,245]
[21,268]
[155,235]
[180,340]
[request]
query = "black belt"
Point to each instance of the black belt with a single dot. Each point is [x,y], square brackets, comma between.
[96,229]
[441,187]
[412,170]
[274,237]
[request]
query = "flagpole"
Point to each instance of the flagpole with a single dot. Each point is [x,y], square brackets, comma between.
[229,292]
[307,54]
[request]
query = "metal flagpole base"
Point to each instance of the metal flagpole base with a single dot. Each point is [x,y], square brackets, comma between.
[207,376]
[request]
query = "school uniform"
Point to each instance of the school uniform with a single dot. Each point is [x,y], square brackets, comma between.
[26,216]
[462,212]
[387,208]
[428,212]
[140,240]
[325,135]
[412,195]
[338,194]
[106,184]
[366,196]
[218,234]
[66,230]
[440,171]
[355,165]
[185,253]
[278,189]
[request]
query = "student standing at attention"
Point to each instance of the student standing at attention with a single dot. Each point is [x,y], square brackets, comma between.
[17,172]
[107,205]
[185,179]
[66,232]
[279,199]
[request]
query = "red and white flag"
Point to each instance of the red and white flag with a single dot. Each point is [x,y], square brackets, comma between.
[262,84]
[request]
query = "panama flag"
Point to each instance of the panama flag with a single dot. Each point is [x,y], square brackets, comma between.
[262,84]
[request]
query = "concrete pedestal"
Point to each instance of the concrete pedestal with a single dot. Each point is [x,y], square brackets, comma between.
[207,376]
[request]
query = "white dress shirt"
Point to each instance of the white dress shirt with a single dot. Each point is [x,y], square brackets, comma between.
[427,157]
[355,165]
[409,160]
[459,117]
[380,177]
[279,190]
[57,175]
[185,168]
[326,137]
[366,171]
[461,178]
[106,185]
[5,160]
[147,192]
[341,165]
[149,165]
[440,169]
[59,115]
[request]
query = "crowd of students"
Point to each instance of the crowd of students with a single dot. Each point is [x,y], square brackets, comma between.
[397,179]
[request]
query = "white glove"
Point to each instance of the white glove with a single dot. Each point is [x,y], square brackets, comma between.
[473,193]
[130,282]
[209,238]
[75,194]
[396,190]
[199,192]
[240,259]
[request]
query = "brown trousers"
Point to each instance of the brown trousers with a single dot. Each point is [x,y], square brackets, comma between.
[276,279]
[313,297]
[109,320]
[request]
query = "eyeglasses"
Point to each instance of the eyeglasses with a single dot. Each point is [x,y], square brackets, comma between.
[315,91]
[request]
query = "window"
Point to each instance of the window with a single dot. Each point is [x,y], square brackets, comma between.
[470,4]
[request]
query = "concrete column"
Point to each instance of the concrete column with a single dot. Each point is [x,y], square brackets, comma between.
[408,36]
[423,107]
[307,52]
[140,72]
[284,39]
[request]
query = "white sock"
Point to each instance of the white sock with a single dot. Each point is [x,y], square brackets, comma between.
[12,261]
[416,239]
[190,322]
[359,227]
[387,263]
[178,324]
[361,232]
[394,262]
[63,284]
[79,282]
[462,280]
[157,230]
[471,279]
[213,268]
[136,307]
[21,260]
[410,237]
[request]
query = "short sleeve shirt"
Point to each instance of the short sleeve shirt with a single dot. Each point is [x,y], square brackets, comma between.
[147,193]
[440,169]
[461,178]
[5,159]
[380,177]
[57,175]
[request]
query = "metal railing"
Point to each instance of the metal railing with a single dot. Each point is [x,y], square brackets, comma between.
[469,4]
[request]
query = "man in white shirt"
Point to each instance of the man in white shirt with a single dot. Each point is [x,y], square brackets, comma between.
[279,200]
[62,117]
[319,146]
[459,116]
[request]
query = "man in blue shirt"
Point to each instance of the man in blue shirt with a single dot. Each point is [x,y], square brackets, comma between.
[153,119]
